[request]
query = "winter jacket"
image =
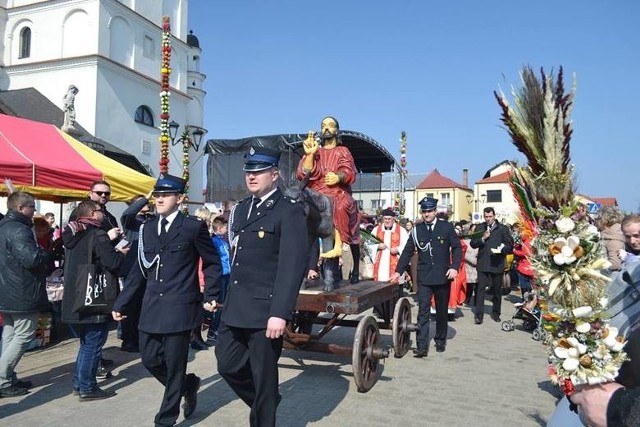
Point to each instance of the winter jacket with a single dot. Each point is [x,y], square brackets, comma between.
[613,240]
[23,267]
[77,249]
[470,261]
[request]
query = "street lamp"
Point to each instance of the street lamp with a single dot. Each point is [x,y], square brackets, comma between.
[193,140]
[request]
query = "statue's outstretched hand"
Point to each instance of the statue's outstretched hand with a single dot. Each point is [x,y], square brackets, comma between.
[331,178]
[310,144]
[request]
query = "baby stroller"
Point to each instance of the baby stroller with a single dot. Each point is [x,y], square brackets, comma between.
[529,312]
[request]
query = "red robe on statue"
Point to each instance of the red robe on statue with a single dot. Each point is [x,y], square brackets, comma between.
[345,209]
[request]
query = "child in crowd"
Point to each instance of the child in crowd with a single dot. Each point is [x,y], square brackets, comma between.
[219,231]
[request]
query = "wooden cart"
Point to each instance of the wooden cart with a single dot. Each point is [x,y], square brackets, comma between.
[367,350]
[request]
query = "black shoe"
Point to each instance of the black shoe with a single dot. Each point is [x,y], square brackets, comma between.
[103,373]
[212,339]
[106,362]
[96,394]
[478,320]
[22,384]
[199,345]
[495,317]
[13,391]
[192,384]
[131,348]
[440,348]
[420,353]
[354,278]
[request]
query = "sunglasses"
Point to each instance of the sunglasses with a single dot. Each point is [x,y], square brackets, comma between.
[102,193]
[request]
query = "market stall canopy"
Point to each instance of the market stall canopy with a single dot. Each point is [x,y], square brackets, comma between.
[50,164]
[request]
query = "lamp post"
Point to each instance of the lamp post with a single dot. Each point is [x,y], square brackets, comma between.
[188,140]
[192,140]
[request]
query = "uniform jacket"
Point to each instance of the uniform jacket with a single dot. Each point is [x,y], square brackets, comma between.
[77,250]
[488,262]
[444,252]
[23,267]
[172,300]
[268,262]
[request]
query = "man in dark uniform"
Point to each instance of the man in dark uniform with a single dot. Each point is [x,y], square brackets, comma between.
[268,235]
[439,251]
[169,248]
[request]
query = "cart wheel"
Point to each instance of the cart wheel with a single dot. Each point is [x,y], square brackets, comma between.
[536,335]
[506,326]
[400,330]
[366,353]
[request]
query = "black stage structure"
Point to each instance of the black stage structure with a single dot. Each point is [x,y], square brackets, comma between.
[225,178]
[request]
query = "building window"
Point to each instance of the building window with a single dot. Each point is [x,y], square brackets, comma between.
[494,196]
[376,203]
[360,205]
[430,195]
[25,43]
[148,47]
[445,199]
[144,115]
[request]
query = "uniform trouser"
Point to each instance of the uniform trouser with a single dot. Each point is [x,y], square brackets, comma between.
[165,357]
[248,362]
[441,295]
[19,329]
[494,282]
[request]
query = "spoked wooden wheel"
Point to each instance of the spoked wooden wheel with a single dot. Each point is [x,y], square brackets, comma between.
[367,352]
[401,328]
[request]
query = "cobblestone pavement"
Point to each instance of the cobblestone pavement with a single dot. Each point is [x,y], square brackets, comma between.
[486,377]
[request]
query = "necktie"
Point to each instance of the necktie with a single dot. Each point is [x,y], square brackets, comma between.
[429,225]
[253,206]
[163,229]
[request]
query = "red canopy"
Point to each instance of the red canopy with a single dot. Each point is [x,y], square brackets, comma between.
[43,160]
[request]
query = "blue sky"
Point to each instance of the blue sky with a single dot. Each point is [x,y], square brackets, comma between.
[428,68]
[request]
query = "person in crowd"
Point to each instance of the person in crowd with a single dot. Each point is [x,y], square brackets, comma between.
[522,250]
[609,224]
[227,205]
[23,292]
[56,233]
[493,245]
[458,292]
[408,226]
[169,249]
[582,214]
[393,238]
[45,240]
[331,170]
[439,255]
[196,342]
[84,239]
[101,193]
[137,213]
[219,227]
[615,403]
[470,266]
[269,240]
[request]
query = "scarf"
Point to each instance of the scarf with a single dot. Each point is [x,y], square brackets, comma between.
[81,224]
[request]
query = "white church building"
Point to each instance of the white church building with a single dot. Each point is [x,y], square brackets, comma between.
[111,51]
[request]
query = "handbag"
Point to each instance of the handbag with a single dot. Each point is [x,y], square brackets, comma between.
[95,292]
